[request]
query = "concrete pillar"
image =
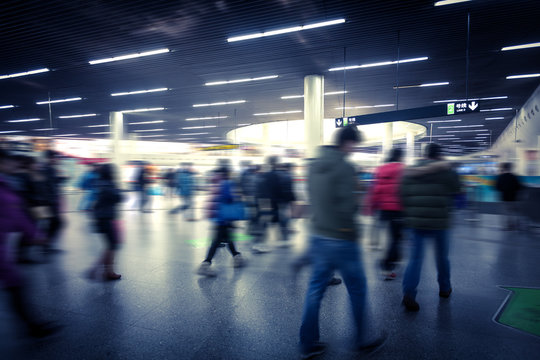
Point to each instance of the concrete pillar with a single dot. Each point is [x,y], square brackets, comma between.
[313,113]
[409,159]
[116,122]
[388,136]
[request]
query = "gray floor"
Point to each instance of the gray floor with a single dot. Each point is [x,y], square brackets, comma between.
[162,310]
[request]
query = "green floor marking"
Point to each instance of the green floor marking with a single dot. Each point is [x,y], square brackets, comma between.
[236,237]
[521,310]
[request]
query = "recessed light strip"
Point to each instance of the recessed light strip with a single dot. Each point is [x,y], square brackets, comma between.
[278,113]
[148,130]
[495,118]
[199,133]
[443,121]
[96,126]
[23,120]
[6,106]
[449,2]
[129,56]
[240,80]
[10,131]
[145,136]
[76,116]
[519,47]
[207,118]
[422,85]
[499,109]
[45,129]
[221,103]
[139,92]
[147,122]
[472,99]
[325,94]
[58,101]
[26,73]
[363,107]
[67,135]
[285,30]
[199,127]
[143,110]
[100,133]
[458,126]
[383,63]
[522,76]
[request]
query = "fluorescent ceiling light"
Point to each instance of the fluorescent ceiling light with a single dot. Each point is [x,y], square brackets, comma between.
[23,120]
[495,118]
[422,85]
[199,127]
[460,131]
[449,2]
[143,110]
[207,118]
[522,76]
[383,63]
[191,134]
[458,126]
[472,99]
[129,56]
[499,109]
[243,124]
[6,106]
[45,129]
[440,135]
[139,92]
[285,30]
[325,94]
[100,133]
[363,107]
[76,116]
[148,130]
[58,101]
[215,137]
[443,121]
[10,131]
[31,72]
[241,80]
[466,141]
[96,126]
[67,135]
[185,139]
[147,122]
[518,47]
[221,103]
[278,113]
[145,136]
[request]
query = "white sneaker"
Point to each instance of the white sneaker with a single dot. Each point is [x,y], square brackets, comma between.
[206,270]
[238,261]
[259,249]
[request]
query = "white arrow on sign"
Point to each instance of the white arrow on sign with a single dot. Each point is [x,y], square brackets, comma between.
[338,122]
[473,105]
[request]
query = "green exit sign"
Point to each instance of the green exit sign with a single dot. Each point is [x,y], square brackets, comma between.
[450,109]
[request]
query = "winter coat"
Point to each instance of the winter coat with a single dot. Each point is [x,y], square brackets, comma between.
[427,193]
[385,192]
[332,185]
[508,185]
[107,199]
[184,183]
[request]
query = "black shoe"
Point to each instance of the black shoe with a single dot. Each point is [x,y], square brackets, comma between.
[334,281]
[372,346]
[445,294]
[410,303]
[316,349]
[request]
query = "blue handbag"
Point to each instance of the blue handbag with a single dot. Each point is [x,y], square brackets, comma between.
[232,211]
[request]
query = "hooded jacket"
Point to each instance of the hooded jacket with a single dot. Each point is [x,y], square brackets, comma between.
[331,188]
[427,192]
[385,193]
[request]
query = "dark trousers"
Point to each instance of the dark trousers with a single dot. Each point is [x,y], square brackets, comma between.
[393,253]
[222,235]
[54,226]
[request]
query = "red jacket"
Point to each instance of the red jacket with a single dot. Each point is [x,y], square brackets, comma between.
[385,191]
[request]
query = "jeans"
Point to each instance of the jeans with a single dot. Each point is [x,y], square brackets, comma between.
[412,274]
[222,235]
[327,256]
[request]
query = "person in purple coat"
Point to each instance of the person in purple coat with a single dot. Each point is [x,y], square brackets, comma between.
[13,219]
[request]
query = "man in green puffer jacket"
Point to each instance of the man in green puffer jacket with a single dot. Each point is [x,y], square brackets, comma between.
[427,192]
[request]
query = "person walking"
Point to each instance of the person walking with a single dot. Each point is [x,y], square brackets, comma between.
[108,196]
[142,183]
[87,184]
[427,192]
[53,181]
[509,186]
[385,199]
[334,241]
[185,187]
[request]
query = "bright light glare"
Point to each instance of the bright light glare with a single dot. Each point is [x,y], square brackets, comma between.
[147,122]
[435,84]
[221,103]
[101,133]
[241,80]
[96,126]
[58,101]
[460,131]
[6,106]
[499,109]
[199,133]
[518,47]
[143,110]
[145,136]
[67,135]
[45,129]
[10,131]
[278,113]
[364,107]
[199,127]
[495,118]
[524,76]
[458,126]
[443,121]
[207,118]
[149,130]
[325,94]
[76,116]
[139,92]
[23,120]
[449,2]
[285,30]
[383,63]
[244,124]
[129,56]
[31,72]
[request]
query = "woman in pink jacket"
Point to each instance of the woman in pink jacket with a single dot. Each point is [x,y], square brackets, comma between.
[385,199]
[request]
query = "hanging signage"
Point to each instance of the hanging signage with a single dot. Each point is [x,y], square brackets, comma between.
[463,107]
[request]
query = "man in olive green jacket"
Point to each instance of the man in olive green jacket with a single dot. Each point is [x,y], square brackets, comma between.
[427,192]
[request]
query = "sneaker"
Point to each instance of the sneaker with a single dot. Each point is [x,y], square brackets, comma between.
[316,349]
[445,294]
[334,281]
[205,270]
[372,346]
[410,303]
[238,261]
